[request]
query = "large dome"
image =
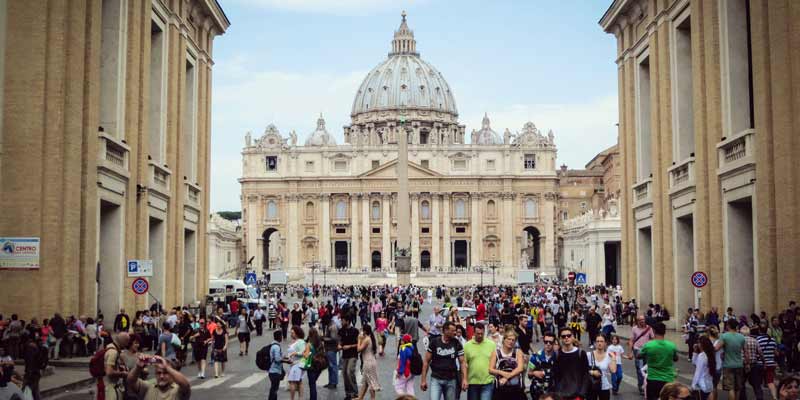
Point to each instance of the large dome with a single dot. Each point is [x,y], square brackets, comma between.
[404,81]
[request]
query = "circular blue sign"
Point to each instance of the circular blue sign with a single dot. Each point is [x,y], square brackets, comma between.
[699,279]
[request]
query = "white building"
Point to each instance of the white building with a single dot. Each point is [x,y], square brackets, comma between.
[591,245]
[224,247]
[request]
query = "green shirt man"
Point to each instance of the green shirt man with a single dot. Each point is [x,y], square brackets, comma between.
[477,353]
[660,355]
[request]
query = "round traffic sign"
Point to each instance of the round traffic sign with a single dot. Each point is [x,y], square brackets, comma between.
[571,275]
[699,279]
[140,286]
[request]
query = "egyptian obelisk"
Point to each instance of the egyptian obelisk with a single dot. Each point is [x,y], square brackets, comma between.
[403,252]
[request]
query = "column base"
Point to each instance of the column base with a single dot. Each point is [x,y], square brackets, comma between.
[403,268]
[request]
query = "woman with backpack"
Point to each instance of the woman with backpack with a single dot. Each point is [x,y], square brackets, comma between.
[403,378]
[314,347]
[508,364]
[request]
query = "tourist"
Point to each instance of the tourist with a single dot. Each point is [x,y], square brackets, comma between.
[603,364]
[442,354]
[275,371]
[593,324]
[331,342]
[201,338]
[769,349]
[507,364]
[381,325]
[122,321]
[732,342]
[524,336]
[619,352]
[540,366]
[753,361]
[258,319]
[477,353]
[33,353]
[607,324]
[570,369]
[169,384]
[283,317]
[348,344]
[495,335]
[314,345]
[295,356]
[674,391]
[114,367]
[704,359]
[660,355]
[219,353]
[788,388]
[403,378]
[640,335]
[367,347]
[243,328]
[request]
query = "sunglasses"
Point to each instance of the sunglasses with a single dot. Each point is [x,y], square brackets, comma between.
[549,341]
[566,336]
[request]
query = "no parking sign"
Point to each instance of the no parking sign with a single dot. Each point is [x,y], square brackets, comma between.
[140,286]
[699,279]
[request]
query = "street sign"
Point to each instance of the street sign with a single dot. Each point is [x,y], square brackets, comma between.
[580,278]
[140,286]
[137,268]
[699,279]
[250,278]
[571,275]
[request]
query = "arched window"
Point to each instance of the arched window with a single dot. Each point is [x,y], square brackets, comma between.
[492,251]
[272,210]
[341,209]
[310,210]
[491,209]
[425,210]
[376,210]
[461,209]
[531,209]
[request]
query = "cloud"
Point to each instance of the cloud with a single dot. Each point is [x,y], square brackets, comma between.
[334,7]
[581,129]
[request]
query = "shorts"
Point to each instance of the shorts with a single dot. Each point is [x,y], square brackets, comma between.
[219,355]
[769,374]
[732,379]
[295,373]
[244,337]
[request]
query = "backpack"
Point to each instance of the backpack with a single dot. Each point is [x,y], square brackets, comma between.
[97,366]
[264,357]
[416,363]
[319,361]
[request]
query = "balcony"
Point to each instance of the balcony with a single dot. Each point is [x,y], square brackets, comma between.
[192,195]
[340,221]
[159,177]
[642,193]
[113,154]
[736,153]
[681,175]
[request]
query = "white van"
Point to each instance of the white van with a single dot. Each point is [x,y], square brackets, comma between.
[244,293]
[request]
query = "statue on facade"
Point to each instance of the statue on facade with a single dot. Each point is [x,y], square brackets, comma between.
[293,138]
[507,136]
[474,137]
[248,139]
[550,136]
[445,136]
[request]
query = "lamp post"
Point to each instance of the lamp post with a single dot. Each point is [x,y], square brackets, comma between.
[314,267]
[493,265]
[480,269]
[325,270]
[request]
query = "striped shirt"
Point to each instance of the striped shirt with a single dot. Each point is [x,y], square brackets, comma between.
[752,351]
[768,349]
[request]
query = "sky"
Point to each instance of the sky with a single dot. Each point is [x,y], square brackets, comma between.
[284,62]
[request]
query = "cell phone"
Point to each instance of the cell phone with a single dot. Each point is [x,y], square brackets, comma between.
[151,360]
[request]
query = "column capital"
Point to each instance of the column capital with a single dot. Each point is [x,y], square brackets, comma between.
[476,195]
[550,196]
[357,195]
[386,195]
[414,196]
[252,198]
[508,195]
[446,195]
[325,196]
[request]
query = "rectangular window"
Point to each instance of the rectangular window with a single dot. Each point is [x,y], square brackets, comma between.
[376,164]
[459,165]
[683,115]
[309,166]
[426,230]
[460,229]
[376,230]
[190,119]
[113,38]
[530,161]
[229,256]
[157,106]
[564,215]
[272,163]
[425,163]
[341,230]
[490,165]
[644,167]
[736,67]
[340,165]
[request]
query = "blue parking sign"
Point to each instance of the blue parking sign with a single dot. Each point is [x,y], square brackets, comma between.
[133,266]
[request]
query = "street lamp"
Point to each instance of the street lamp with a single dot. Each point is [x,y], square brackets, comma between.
[325,270]
[314,267]
[493,264]
[481,269]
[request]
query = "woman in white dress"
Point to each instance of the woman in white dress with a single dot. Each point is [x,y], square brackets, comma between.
[295,356]
[606,364]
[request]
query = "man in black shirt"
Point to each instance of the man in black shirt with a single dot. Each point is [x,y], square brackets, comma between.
[441,357]
[523,335]
[297,315]
[593,321]
[570,369]
[348,343]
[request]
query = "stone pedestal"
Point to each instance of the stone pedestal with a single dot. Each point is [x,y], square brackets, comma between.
[403,268]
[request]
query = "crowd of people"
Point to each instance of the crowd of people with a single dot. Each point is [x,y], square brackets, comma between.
[478,343]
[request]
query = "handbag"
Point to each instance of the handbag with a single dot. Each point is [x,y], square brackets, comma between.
[595,382]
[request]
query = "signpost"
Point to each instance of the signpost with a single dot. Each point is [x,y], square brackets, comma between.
[140,286]
[250,278]
[571,276]
[139,268]
[699,280]
[580,278]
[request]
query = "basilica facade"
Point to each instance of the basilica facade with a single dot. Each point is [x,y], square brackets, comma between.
[481,202]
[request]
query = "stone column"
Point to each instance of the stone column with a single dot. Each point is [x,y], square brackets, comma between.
[435,261]
[292,241]
[477,231]
[366,257]
[325,241]
[414,231]
[548,251]
[353,252]
[507,240]
[386,231]
[252,227]
[446,227]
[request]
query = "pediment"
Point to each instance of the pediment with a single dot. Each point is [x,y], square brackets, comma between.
[389,170]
